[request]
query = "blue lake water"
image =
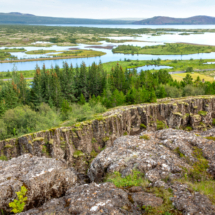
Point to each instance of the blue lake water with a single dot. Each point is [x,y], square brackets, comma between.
[139,26]
[142,40]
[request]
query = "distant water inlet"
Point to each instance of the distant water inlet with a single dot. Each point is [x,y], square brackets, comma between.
[151,67]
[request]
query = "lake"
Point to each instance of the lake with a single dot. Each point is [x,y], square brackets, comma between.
[138,26]
[141,40]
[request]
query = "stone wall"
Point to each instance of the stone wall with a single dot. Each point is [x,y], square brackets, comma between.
[80,143]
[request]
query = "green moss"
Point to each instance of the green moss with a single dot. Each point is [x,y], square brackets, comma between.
[177,113]
[161,125]
[30,142]
[143,126]
[134,179]
[78,154]
[51,141]
[210,138]
[213,121]
[105,139]
[38,139]
[8,146]
[93,140]
[186,115]
[177,151]
[202,113]
[166,208]
[188,128]
[93,154]
[125,133]
[145,137]
[52,130]
[3,158]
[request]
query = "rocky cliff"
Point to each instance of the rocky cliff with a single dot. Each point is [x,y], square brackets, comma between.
[79,144]
[163,172]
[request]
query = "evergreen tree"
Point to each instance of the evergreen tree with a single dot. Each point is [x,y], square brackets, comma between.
[82,100]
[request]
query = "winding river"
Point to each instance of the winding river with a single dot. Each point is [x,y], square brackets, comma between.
[142,40]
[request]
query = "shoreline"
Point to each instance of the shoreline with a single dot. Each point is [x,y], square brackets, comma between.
[44,59]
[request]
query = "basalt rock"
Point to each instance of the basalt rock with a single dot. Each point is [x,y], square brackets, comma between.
[90,199]
[80,143]
[159,155]
[44,178]
[190,202]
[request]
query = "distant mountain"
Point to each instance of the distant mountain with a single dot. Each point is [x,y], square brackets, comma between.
[163,20]
[19,18]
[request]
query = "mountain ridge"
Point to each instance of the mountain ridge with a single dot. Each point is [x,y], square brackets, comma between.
[165,20]
[20,18]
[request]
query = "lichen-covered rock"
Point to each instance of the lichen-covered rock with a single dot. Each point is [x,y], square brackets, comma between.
[190,202]
[44,178]
[90,199]
[146,199]
[159,155]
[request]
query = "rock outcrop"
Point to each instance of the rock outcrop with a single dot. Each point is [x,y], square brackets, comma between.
[158,155]
[95,199]
[79,144]
[161,157]
[44,178]
[191,202]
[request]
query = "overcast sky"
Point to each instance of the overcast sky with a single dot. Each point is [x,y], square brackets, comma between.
[110,8]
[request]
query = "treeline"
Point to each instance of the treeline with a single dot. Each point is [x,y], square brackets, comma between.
[77,94]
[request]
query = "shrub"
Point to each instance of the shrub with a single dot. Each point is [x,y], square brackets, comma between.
[145,137]
[23,119]
[19,205]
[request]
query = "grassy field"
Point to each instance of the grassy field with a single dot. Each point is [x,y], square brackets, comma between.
[179,77]
[79,53]
[13,50]
[167,49]
[40,51]
[24,35]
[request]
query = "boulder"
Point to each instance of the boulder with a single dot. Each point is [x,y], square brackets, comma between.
[89,199]
[44,178]
[159,155]
[191,202]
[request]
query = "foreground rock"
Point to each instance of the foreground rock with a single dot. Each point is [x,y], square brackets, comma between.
[96,199]
[159,155]
[44,178]
[191,202]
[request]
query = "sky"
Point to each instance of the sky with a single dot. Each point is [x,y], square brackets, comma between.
[101,9]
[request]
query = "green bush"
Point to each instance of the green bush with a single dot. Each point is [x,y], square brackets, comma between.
[23,119]
[19,205]
[211,138]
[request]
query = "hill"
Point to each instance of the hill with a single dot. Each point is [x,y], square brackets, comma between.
[163,20]
[19,18]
